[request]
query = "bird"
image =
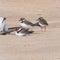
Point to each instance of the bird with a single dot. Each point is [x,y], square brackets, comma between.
[42,23]
[25,23]
[3,27]
[23,32]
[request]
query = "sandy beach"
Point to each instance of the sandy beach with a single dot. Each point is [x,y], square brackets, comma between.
[39,45]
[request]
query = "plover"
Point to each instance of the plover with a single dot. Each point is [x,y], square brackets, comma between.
[42,23]
[3,26]
[23,32]
[25,24]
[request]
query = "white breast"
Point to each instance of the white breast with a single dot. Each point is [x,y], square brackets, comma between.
[3,26]
[25,25]
[41,24]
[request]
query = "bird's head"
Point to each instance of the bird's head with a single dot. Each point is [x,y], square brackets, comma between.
[22,20]
[40,18]
[2,19]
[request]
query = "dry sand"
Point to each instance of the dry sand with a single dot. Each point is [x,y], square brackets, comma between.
[39,45]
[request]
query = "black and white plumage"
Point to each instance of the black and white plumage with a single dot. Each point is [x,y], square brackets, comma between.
[25,24]
[3,27]
[42,23]
[23,32]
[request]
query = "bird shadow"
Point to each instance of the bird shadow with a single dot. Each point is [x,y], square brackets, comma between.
[12,29]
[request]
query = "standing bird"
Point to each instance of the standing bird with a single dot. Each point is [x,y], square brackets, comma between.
[42,23]
[3,26]
[25,24]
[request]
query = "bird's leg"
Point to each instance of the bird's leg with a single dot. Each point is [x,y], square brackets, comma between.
[41,29]
[44,28]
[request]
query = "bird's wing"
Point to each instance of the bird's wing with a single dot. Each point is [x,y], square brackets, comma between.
[29,23]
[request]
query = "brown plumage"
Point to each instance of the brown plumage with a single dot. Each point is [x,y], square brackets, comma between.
[42,23]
